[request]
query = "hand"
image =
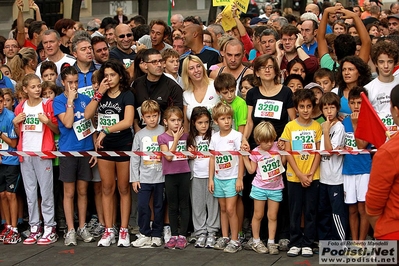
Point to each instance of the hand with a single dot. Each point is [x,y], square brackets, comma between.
[280,52]
[93,161]
[104,86]
[191,148]
[354,117]
[239,185]
[99,140]
[33,5]
[327,125]
[347,13]
[219,18]
[245,145]
[19,118]
[333,9]
[43,118]
[136,186]
[305,179]
[234,10]
[72,94]
[211,186]
[281,145]
[140,46]
[177,135]
[299,40]
[20,4]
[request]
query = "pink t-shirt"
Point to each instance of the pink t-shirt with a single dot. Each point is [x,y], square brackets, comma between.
[269,170]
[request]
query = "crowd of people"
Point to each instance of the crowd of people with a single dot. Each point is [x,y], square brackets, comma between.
[270,83]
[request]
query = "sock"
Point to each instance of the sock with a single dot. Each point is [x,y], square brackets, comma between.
[14,229]
[3,221]
[256,240]
[20,221]
[270,241]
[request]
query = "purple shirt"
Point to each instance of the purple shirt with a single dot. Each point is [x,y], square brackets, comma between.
[179,164]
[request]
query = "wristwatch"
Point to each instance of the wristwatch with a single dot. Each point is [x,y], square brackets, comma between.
[298,47]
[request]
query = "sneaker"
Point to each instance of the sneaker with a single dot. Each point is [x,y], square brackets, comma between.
[142,241]
[248,245]
[293,252]
[241,237]
[115,230]
[84,235]
[283,244]
[221,243]
[181,243]
[259,247]
[273,249]
[70,238]
[200,243]
[25,233]
[210,241]
[307,252]
[92,224]
[232,247]
[34,235]
[49,236]
[12,238]
[156,242]
[98,231]
[107,239]
[171,244]
[124,237]
[192,238]
[5,232]
[167,233]
[61,225]
[134,230]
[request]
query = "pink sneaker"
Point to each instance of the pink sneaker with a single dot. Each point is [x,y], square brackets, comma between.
[49,236]
[181,242]
[35,234]
[171,243]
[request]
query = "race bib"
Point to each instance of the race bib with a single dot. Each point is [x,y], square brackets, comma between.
[181,146]
[225,162]
[127,62]
[203,145]
[304,139]
[32,123]
[88,91]
[3,145]
[107,120]
[270,168]
[83,128]
[350,141]
[268,109]
[150,145]
[387,120]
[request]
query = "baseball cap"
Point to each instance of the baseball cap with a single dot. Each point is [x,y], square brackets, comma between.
[394,16]
[312,85]
[256,20]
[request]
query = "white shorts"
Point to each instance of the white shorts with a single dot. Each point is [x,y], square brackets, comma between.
[355,188]
[96,174]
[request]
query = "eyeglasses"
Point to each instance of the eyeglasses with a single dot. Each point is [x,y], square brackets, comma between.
[10,46]
[156,62]
[288,39]
[122,36]
[269,68]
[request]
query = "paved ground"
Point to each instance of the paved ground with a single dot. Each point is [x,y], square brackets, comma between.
[89,254]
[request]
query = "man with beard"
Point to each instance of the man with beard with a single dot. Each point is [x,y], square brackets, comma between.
[155,86]
[158,32]
[233,54]
[100,50]
[10,49]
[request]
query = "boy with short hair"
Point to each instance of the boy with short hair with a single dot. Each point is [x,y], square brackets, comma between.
[172,63]
[332,212]
[318,91]
[226,176]
[356,170]
[303,173]
[147,178]
[325,78]
[10,175]
[225,86]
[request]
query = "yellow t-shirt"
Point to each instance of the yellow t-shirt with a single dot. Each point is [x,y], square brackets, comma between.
[302,138]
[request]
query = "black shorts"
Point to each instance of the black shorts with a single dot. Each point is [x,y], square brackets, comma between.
[109,146]
[75,168]
[10,176]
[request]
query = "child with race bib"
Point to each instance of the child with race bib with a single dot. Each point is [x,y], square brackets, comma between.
[177,176]
[267,186]
[35,124]
[205,207]
[226,174]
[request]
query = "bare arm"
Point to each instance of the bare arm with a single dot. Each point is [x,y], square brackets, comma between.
[35,7]
[20,24]
[250,165]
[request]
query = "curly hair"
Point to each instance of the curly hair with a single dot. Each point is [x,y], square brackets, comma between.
[362,68]
[387,48]
[119,68]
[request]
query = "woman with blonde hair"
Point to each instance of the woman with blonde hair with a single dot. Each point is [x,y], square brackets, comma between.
[198,88]
[24,62]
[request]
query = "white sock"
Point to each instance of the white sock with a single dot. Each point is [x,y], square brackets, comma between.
[270,241]
[256,240]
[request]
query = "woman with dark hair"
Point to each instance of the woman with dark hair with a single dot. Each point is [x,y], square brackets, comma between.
[114,101]
[296,66]
[352,72]
[65,27]
[139,69]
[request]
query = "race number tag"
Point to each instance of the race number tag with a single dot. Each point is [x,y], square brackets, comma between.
[32,123]
[150,145]
[83,128]
[3,145]
[107,120]
[181,146]
[387,120]
[268,109]
[271,167]
[350,142]
[203,145]
[88,91]
[306,138]
[225,162]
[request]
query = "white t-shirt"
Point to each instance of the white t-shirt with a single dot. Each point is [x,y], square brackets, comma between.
[200,165]
[379,96]
[32,128]
[331,165]
[178,80]
[226,166]
[210,100]
[65,59]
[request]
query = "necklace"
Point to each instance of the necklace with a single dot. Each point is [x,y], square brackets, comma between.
[113,93]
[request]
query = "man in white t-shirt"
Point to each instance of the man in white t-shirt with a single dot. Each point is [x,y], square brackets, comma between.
[385,57]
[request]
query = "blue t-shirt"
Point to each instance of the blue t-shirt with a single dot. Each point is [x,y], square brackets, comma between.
[355,164]
[7,127]
[345,110]
[68,140]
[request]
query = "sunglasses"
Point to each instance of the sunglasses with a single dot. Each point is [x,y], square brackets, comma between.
[122,36]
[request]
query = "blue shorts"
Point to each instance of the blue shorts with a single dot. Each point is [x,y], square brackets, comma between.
[224,188]
[265,194]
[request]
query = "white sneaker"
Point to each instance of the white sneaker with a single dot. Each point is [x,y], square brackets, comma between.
[107,239]
[156,242]
[167,233]
[84,235]
[142,241]
[294,251]
[70,238]
[124,238]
